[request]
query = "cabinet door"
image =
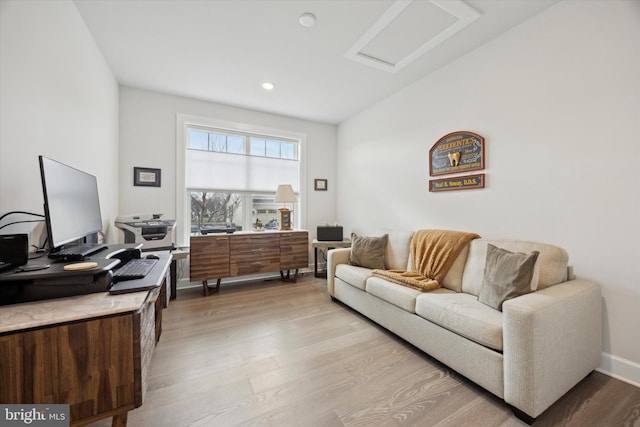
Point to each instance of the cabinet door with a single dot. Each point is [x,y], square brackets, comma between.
[294,250]
[88,364]
[209,257]
[254,253]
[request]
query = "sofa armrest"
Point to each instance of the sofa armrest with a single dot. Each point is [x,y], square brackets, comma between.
[552,340]
[335,257]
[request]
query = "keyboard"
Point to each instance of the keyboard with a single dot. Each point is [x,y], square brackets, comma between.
[78,252]
[134,269]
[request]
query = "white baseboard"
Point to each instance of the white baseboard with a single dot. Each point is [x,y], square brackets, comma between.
[621,369]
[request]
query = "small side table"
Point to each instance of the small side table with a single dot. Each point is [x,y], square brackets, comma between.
[326,244]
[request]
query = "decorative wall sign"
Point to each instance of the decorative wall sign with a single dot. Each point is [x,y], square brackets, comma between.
[466,182]
[146,177]
[457,152]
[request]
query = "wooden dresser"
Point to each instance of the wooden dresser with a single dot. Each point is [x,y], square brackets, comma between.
[217,256]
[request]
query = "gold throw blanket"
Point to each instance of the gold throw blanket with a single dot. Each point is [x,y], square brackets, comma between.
[433,252]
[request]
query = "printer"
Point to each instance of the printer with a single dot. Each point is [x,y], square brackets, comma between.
[149,229]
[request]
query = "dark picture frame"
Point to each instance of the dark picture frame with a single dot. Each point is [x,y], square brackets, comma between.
[146,177]
[320,184]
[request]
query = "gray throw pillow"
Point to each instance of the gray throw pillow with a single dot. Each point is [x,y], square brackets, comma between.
[368,251]
[506,275]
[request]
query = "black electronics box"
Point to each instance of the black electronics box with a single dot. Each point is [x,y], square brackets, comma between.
[331,233]
[14,249]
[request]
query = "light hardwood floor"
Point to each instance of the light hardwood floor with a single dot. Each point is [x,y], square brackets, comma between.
[282,354]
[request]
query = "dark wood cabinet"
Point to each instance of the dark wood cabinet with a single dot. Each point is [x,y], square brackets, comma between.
[242,254]
[93,352]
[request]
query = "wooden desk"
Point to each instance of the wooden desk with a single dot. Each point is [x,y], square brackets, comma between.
[326,244]
[172,289]
[92,352]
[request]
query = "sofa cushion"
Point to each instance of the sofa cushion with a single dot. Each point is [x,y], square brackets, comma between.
[396,256]
[353,275]
[463,314]
[398,295]
[506,275]
[368,251]
[453,279]
[550,267]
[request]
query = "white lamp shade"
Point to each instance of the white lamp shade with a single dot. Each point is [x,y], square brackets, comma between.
[285,194]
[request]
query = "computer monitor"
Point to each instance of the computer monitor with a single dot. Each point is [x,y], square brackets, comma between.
[71,203]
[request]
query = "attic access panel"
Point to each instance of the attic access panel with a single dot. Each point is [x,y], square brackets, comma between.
[408,30]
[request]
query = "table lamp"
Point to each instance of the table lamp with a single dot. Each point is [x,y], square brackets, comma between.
[285,194]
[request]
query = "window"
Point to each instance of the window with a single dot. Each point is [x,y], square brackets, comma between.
[272,148]
[224,142]
[231,175]
[216,141]
[211,209]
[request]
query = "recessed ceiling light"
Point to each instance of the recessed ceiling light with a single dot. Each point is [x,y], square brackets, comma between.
[268,86]
[307,19]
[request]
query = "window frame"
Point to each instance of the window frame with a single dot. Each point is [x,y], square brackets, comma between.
[184,122]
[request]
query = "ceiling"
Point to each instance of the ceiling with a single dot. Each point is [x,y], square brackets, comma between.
[357,53]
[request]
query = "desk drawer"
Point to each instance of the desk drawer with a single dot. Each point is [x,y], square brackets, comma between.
[254,254]
[255,247]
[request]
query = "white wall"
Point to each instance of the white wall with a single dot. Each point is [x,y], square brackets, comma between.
[148,139]
[58,98]
[558,101]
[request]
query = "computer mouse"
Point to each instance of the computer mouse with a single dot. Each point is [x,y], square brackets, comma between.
[152,256]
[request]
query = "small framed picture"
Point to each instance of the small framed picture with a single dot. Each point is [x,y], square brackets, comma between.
[146,177]
[320,184]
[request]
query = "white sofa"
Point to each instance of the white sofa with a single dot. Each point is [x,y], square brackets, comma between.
[531,353]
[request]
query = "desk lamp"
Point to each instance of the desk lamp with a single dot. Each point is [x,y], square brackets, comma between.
[285,194]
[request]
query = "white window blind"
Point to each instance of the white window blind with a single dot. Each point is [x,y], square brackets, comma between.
[236,172]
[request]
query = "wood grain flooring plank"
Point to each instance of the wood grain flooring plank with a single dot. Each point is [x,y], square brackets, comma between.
[586,401]
[482,410]
[402,399]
